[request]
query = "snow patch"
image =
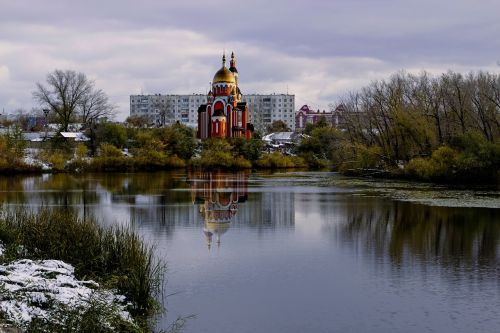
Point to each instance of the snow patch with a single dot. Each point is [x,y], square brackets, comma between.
[30,158]
[30,289]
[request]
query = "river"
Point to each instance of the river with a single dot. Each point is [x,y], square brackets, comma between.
[300,251]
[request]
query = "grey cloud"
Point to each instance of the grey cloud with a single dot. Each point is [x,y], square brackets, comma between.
[319,49]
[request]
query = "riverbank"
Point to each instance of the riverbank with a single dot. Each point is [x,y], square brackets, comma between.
[63,273]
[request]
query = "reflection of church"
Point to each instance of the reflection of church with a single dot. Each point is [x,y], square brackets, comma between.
[218,195]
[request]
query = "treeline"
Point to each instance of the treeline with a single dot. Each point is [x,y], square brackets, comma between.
[433,128]
[134,147]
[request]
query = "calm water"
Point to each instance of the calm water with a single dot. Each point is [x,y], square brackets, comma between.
[301,252]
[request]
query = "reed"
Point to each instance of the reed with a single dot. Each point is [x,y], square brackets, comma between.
[116,257]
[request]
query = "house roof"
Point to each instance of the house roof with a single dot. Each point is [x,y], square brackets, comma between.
[77,136]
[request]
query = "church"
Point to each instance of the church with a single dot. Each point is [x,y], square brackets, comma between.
[224,115]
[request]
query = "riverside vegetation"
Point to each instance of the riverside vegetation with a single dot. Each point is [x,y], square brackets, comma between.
[115,258]
[444,128]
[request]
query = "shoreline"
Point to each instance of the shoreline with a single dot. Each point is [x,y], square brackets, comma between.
[60,270]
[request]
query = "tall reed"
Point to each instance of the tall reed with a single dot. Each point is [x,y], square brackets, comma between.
[115,257]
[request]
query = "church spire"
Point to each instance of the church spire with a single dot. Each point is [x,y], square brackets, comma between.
[232,66]
[232,63]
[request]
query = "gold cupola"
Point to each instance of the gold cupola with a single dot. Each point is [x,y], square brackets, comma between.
[224,74]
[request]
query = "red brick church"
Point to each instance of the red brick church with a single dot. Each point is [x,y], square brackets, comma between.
[224,115]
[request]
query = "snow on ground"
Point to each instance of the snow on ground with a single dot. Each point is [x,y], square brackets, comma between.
[29,289]
[1,249]
[30,158]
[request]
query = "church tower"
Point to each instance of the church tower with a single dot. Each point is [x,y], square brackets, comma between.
[224,115]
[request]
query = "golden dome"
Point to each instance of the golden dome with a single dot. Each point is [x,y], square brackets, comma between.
[224,75]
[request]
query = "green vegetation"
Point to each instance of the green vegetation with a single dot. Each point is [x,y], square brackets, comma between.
[277,160]
[220,154]
[440,129]
[319,148]
[12,152]
[444,128]
[278,126]
[116,258]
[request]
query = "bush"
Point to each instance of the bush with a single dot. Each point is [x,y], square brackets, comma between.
[109,150]
[178,139]
[56,158]
[219,154]
[11,155]
[422,168]
[440,166]
[358,158]
[116,258]
[277,160]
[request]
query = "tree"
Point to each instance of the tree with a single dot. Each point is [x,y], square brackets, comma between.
[137,121]
[278,126]
[95,105]
[69,94]
[178,139]
[115,134]
[164,110]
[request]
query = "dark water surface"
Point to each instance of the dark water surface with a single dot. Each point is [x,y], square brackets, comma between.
[301,252]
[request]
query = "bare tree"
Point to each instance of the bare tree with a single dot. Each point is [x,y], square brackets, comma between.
[69,94]
[95,105]
[163,109]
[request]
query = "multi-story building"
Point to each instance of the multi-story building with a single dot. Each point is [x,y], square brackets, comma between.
[264,109]
[305,115]
[162,109]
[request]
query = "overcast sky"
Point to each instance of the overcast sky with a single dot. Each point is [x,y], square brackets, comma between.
[318,49]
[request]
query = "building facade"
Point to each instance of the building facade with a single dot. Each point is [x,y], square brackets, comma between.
[224,115]
[265,109]
[306,116]
[166,109]
[162,109]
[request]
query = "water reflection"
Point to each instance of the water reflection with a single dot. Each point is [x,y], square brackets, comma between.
[217,195]
[323,254]
[459,239]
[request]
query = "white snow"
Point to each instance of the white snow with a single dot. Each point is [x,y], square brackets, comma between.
[1,249]
[29,289]
[30,158]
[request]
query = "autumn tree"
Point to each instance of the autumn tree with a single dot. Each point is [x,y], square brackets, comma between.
[278,126]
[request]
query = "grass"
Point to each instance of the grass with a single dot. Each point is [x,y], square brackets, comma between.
[277,160]
[114,257]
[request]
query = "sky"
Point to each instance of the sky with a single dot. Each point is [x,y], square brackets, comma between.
[319,50]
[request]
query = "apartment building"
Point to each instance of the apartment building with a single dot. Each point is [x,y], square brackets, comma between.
[165,109]
[264,109]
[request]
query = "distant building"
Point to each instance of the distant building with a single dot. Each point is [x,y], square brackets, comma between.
[306,116]
[167,109]
[265,109]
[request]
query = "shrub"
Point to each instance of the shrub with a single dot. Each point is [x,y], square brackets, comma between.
[422,168]
[116,257]
[219,154]
[277,160]
[81,151]
[109,150]
[440,166]
[56,158]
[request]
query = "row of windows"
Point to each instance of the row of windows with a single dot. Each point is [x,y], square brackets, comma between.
[184,100]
